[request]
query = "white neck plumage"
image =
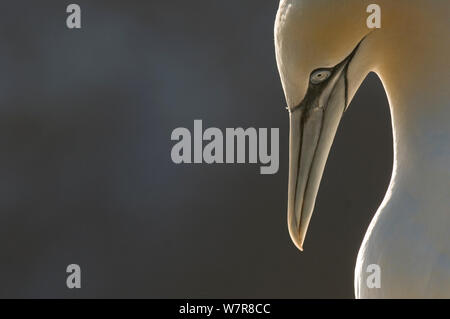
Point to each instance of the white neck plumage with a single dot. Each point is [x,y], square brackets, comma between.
[408,236]
[420,113]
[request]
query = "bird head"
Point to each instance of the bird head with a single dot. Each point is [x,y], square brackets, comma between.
[322,56]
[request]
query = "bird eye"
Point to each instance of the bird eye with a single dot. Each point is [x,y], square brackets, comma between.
[320,76]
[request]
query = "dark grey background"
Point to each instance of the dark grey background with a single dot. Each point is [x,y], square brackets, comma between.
[85,169]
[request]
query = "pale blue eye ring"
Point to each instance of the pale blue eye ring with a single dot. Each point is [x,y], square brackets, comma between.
[320,76]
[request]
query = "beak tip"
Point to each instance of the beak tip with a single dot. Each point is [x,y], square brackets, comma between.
[297,242]
[299,247]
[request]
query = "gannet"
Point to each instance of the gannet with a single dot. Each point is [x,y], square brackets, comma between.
[324,50]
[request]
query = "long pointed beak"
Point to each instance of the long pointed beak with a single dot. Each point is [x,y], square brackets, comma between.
[313,125]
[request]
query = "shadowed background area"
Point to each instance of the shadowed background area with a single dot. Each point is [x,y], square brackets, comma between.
[86,175]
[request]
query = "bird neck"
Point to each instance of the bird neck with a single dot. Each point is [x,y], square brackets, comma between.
[420,112]
[421,130]
[412,62]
